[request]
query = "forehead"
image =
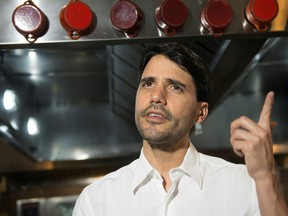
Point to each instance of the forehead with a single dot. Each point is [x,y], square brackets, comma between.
[161,66]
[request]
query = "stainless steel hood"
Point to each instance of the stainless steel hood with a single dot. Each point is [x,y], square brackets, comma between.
[64,99]
[267,71]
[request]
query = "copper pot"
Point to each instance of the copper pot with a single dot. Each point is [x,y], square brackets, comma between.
[76,18]
[171,15]
[126,17]
[216,16]
[30,21]
[260,13]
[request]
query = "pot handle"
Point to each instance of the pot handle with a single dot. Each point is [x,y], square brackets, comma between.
[169,31]
[131,34]
[261,28]
[218,33]
[74,34]
[31,38]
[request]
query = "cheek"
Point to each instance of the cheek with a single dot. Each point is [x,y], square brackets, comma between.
[187,111]
[139,102]
[184,115]
[136,107]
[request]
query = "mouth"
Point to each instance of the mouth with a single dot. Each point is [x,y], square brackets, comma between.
[156,116]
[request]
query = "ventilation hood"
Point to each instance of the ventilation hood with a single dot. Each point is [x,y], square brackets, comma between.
[73,100]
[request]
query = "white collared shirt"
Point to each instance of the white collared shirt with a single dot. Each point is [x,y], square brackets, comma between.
[201,186]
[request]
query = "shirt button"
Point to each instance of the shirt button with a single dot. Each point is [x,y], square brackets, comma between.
[176,174]
[156,175]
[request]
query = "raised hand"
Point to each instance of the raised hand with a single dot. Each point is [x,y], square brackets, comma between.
[253,141]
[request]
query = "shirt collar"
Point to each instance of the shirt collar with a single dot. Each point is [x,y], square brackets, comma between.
[190,165]
[142,172]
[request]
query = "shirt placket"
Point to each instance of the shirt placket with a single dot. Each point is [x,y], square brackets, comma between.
[175,176]
[168,196]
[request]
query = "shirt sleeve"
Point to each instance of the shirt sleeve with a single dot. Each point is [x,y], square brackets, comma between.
[257,213]
[83,206]
[255,201]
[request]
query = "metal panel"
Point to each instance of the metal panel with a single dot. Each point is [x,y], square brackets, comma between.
[105,33]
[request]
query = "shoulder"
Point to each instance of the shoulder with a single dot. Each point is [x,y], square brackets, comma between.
[227,179]
[113,179]
[211,166]
[107,188]
[218,163]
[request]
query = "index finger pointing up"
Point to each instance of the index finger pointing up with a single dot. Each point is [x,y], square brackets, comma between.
[265,115]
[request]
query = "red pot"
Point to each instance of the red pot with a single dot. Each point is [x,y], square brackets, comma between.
[30,21]
[171,15]
[260,13]
[76,18]
[216,16]
[126,17]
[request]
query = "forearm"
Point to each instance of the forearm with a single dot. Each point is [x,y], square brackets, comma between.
[270,197]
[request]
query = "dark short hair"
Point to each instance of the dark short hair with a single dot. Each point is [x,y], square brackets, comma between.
[187,59]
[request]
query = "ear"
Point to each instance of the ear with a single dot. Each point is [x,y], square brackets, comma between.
[203,112]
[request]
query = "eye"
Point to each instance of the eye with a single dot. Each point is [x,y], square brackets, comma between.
[176,88]
[147,84]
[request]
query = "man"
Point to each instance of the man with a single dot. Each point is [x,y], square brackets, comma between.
[171,177]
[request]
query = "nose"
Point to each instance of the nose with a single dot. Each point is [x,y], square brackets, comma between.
[158,96]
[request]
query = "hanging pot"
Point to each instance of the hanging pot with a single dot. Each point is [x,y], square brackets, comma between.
[171,15]
[216,16]
[260,13]
[126,17]
[76,18]
[30,21]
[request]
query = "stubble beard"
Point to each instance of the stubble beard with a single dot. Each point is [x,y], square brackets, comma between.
[165,139]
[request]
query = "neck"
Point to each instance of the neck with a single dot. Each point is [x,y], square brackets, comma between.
[163,161]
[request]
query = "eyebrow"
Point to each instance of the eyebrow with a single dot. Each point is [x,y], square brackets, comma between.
[176,82]
[147,79]
[169,80]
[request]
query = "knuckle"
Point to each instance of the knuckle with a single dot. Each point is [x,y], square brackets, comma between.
[258,140]
[243,118]
[263,135]
[252,146]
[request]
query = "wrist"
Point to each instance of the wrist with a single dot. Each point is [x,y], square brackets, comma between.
[268,183]
[270,198]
